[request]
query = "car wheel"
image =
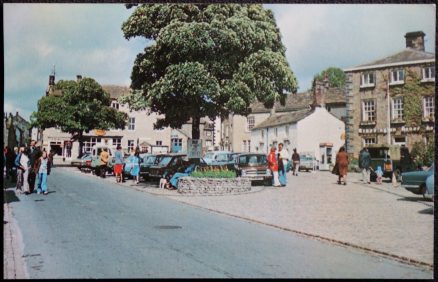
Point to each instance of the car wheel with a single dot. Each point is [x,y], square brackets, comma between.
[267,182]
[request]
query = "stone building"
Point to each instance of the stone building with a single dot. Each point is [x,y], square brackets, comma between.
[139,130]
[236,129]
[16,130]
[391,101]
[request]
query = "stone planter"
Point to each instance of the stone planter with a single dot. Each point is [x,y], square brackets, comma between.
[213,186]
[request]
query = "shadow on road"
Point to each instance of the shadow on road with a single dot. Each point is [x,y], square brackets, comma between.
[426,211]
[9,196]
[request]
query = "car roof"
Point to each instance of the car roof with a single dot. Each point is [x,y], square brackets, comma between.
[249,153]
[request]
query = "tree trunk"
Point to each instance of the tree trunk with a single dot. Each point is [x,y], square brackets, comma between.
[80,143]
[195,128]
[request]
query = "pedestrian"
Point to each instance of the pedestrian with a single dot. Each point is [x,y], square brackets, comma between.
[283,158]
[364,164]
[296,162]
[42,167]
[134,161]
[379,174]
[104,156]
[22,163]
[273,166]
[34,154]
[342,165]
[68,149]
[118,164]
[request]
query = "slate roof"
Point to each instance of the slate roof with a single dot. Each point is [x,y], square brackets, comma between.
[405,56]
[115,91]
[300,101]
[286,118]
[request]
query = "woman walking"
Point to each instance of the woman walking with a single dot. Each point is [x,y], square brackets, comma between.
[342,164]
[42,168]
[273,166]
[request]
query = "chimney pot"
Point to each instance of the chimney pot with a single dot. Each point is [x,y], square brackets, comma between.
[415,40]
[51,79]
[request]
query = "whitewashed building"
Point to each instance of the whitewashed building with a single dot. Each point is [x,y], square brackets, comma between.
[314,131]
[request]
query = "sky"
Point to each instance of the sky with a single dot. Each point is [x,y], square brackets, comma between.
[87,39]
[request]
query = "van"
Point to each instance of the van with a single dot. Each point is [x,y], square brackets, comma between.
[219,158]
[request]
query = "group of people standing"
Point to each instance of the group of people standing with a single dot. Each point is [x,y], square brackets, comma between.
[26,165]
[132,164]
[278,161]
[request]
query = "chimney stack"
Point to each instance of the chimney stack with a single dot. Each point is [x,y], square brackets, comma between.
[415,40]
[52,79]
[319,92]
[78,77]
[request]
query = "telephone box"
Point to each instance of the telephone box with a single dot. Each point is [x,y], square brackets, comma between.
[326,155]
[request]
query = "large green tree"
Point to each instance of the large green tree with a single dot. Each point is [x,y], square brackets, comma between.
[83,106]
[335,76]
[206,60]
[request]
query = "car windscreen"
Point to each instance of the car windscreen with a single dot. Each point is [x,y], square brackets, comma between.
[253,159]
[165,161]
[209,156]
[149,159]
[377,153]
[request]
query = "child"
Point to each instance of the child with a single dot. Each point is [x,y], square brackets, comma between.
[379,174]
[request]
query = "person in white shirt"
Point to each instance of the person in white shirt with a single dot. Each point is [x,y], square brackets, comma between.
[24,166]
[283,158]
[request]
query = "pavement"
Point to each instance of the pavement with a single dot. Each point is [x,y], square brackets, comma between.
[380,219]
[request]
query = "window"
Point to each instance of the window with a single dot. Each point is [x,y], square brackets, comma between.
[399,140]
[369,140]
[88,145]
[115,105]
[159,143]
[207,143]
[131,123]
[117,141]
[428,107]
[397,109]
[367,79]
[368,110]
[397,77]
[246,146]
[428,74]
[249,123]
[131,145]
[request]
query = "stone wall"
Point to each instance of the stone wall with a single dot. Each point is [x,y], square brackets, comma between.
[213,186]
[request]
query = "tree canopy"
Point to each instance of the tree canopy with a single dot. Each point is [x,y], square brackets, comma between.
[83,106]
[336,77]
[206,60]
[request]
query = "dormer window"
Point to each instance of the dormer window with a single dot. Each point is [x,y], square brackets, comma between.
[367,79]
[428,74]
[397,77]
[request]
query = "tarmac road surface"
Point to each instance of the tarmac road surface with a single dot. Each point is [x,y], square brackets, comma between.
[89,228]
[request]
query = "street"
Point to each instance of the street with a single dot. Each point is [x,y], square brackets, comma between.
[91,228]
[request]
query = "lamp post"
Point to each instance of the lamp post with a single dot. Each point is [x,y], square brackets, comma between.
[388,118]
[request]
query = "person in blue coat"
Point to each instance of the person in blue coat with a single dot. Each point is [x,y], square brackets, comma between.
[174,180]
[134,163]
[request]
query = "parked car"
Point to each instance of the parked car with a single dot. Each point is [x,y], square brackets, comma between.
[380,156]
[148,161]
[80,162]
[219,158]
[95,161]
[430,185]
[253,166]
[417,181]
[167,162]
[307,162]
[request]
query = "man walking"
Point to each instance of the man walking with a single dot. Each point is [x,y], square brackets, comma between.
[283,156]
[296,162]
[364,164]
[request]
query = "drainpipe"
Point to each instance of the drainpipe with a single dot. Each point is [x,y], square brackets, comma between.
[388,119]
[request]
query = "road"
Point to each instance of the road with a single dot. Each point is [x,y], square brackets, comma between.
[90,228]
